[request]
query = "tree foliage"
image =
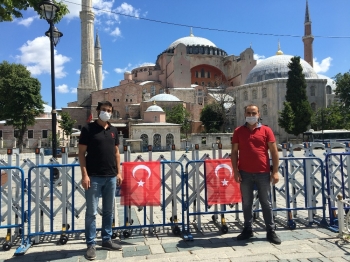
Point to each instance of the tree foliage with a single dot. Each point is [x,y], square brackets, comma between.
[343,89]
[286,119]
[20,98]
[211,117]
[66,123]
[332,117]
[177,115]
[296,96]
[10,9]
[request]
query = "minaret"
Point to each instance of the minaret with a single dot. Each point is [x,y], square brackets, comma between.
[87,82]
[98,63]
[308,38]
[279,51]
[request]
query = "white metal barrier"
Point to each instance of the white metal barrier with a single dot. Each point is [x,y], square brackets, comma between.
[343,216]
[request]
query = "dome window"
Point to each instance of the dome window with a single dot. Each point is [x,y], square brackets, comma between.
[328,90]
[254,94]
[264,93]
[264,107]
[245,95]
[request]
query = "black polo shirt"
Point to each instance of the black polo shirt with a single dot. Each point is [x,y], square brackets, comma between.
[100,142]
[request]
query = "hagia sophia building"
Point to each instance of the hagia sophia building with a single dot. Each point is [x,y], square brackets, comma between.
[191,71]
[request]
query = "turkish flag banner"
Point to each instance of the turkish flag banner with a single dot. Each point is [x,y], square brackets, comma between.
[141,184]
[221,185]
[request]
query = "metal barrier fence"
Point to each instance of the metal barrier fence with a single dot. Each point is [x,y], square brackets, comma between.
[344,216]
[302,189]
[51,191]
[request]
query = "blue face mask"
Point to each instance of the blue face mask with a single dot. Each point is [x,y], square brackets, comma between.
[104,116]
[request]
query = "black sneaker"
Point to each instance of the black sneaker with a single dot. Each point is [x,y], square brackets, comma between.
[246,234]
[273,238]
[109,245]
[90,252]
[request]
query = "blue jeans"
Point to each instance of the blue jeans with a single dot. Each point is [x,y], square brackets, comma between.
[262,184]
[105,187]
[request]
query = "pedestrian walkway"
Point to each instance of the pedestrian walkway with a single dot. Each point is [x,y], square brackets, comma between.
[301,244]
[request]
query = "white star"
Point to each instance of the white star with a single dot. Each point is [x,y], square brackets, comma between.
[224,182]
[141,183]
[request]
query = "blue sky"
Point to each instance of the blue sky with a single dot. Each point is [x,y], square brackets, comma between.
[129,42]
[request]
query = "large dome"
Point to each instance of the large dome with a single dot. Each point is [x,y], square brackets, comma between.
[164,97]
[277,67]
[192,40]
[154,108]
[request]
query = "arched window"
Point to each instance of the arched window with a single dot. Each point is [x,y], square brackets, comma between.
[144,138]
[313,107]
[169,140]
[254,94]
[116,114]
[264,110]
[328,90]
[264,93]
[245,95]
[312,91]
[196,74]
[157,141]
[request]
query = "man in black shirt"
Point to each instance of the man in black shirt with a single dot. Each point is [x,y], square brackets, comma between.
[100,169]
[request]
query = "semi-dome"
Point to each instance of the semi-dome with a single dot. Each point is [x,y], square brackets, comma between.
[164,97]
[154,108]
[277,67]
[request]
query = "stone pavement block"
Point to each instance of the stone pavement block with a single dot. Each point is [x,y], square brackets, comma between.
[116,255]
[299,255]
[156,249]
[324,259]
[338,259]
[265,250]
[169,255]
[335,253]
[187,258]
[315,260]
[136,253]
[249,258]
[138,248]
[317,233]
[317,247]
[219,260]
[170,249]
[213,255]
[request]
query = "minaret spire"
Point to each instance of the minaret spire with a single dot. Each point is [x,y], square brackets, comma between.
[87,82]
[191,33]
[98,62]
[308,38]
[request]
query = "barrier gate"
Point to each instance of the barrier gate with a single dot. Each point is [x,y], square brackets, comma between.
[302,190]
[338,183]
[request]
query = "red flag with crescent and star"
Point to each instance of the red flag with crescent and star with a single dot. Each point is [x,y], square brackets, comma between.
[221,185]
[141,184]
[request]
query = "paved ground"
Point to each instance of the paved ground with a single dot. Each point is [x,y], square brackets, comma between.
[305,243]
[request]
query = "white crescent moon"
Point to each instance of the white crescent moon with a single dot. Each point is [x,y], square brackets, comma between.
[218,167]
[141,167]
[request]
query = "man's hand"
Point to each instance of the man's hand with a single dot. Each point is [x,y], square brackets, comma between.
[274,178]
[238,177]
[85,182]
[119,179]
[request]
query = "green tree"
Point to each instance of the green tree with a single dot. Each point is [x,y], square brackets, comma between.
[178,115]
[211,117]
[14,8]
[66,123]
[20,98]
[286,119]
[332,117]
[296,96]
[343,89]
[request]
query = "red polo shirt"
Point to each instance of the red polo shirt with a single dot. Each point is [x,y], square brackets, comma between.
[253,148]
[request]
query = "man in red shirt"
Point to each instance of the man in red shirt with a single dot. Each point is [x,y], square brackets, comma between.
[252,169]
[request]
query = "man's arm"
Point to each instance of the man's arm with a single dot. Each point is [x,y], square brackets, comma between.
[275,162]
[85,180]
[117,159]
[234,161]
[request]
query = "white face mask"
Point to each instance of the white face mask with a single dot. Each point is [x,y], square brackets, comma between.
[105,116]
[251,120]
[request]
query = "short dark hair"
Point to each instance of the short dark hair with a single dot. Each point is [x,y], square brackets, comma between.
[245,108]
[104,103]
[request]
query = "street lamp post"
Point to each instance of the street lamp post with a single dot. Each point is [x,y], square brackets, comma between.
[49,10]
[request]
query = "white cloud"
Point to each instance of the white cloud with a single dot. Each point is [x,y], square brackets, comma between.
[62,89]
[127,9]
[323,66]
[36,56]
[77,72]
[129,67]
[259,58]
[73,90]
[26,22]
[104,73]
[116,32]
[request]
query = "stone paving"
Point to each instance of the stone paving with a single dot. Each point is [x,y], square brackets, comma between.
[305,243]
